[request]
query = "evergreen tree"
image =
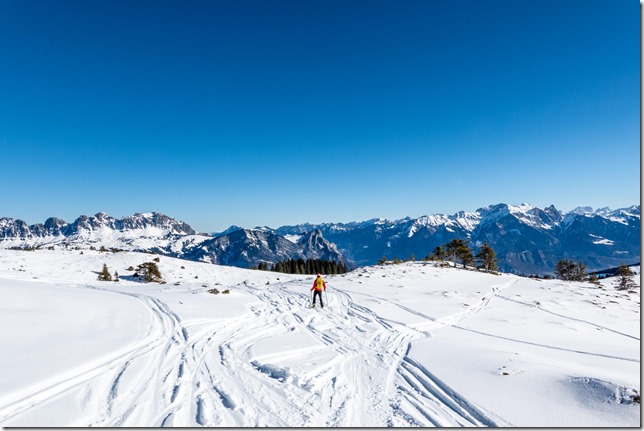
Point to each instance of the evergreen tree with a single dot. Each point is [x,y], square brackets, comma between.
[568,270]
[579,272]
[438,254]
[149,272]
[309,266]
[105,275]
[624,277]
[487,257]
[301,266]
[454,248]
[465,255]
[564,269]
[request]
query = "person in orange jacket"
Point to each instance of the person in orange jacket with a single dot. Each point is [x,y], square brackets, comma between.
[318,285]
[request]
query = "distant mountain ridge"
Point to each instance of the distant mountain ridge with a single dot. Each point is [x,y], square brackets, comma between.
[55,227]
[248,247]
[527,239]
[156,232]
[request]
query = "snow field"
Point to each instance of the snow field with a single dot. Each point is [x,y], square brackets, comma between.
[400,345]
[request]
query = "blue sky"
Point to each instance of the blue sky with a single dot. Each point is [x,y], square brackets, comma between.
[282,112]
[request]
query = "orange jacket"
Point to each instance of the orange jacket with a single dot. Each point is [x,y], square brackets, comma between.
[318,284]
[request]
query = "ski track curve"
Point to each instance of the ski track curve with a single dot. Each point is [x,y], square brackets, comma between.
[203,374]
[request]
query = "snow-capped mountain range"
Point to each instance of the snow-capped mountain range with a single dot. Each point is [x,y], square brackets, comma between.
[155,232]
[248,247]
[153,224]
[526,239]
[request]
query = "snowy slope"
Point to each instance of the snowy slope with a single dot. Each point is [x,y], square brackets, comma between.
[404,345]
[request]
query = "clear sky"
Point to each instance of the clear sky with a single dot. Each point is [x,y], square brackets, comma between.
[268,112]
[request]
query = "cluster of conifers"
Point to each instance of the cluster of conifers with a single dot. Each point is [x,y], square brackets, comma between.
[301,266]
[458,250]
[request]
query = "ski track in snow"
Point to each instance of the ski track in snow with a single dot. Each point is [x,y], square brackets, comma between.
[207,372]
[370,367]
[192,375]
[539,307]
[115,365]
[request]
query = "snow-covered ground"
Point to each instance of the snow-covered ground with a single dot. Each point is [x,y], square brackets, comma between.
[397,345]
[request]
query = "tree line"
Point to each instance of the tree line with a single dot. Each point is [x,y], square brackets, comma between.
[569,270]
[458,250]
[308,266]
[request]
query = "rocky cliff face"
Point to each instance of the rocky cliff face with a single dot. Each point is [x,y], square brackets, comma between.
[248,247]
[164,235]
[11,229]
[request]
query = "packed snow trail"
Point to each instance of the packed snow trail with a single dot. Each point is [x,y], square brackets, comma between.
[367,361]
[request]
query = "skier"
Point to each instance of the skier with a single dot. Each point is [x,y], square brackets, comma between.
[318,284]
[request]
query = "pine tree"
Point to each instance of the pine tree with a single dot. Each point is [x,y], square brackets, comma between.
[579,272]
[301,266]
[454,247]
[149,272]
[465,255]
[568,270]
[105,275]
[624,277]
[309,266]
[438,254]
[487,257]
[564,269]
